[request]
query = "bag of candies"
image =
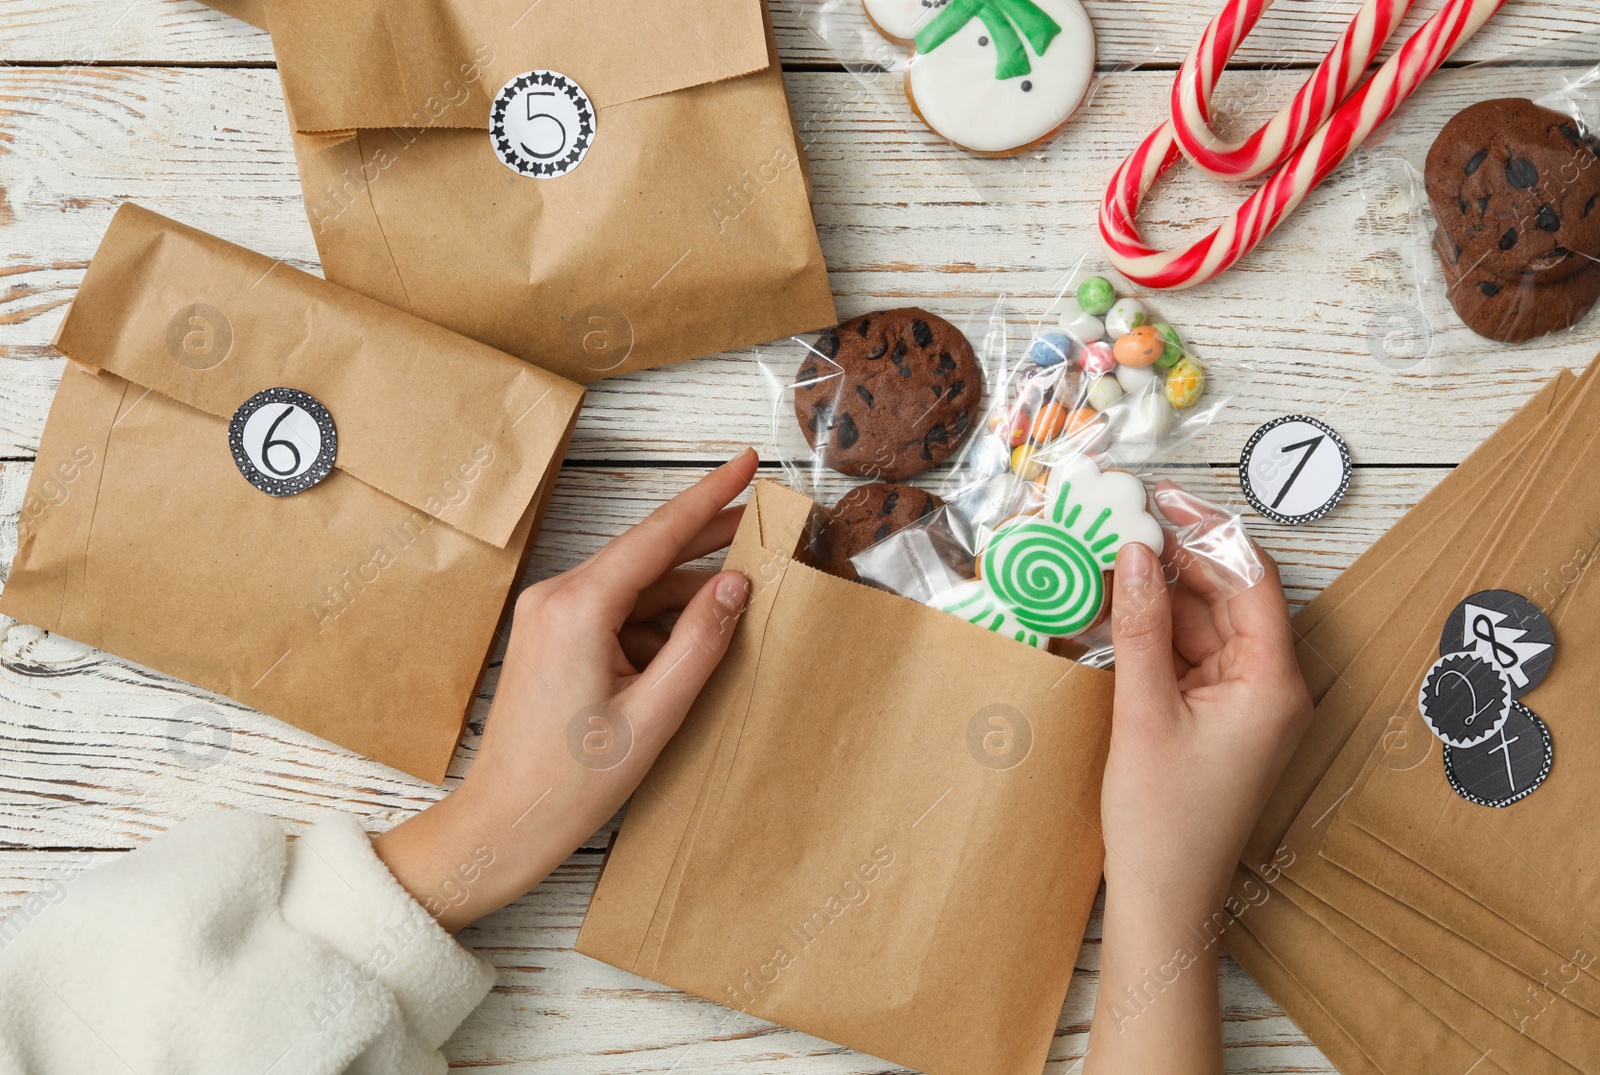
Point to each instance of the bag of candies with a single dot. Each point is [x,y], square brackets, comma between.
[994,469]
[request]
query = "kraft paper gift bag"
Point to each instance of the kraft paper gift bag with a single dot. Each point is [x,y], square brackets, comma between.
[879,824]
[661,209]
[174,516]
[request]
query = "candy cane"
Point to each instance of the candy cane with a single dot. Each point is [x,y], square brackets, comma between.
[1328,147]
[1341,69]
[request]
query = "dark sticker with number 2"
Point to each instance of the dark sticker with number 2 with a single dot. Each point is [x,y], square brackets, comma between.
[283,441]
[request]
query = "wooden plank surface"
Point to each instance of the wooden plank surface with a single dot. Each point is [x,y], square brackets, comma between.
[173,105]
[900,222]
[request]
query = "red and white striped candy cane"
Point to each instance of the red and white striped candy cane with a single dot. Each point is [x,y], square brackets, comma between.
[1328,147]
[1338,73]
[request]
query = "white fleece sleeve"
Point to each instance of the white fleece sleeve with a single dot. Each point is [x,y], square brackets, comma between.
[215,948]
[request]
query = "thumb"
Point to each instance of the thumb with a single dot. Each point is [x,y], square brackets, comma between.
[1141,634]
[672,680]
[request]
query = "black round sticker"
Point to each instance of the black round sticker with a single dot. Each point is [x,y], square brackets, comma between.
[1509,766]
[1505,628]
[1464,699]
[283,441]
[542,124]
[1294,469]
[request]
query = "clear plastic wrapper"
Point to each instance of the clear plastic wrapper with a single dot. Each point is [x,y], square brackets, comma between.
[999,486]
[1483,206]
[999,80]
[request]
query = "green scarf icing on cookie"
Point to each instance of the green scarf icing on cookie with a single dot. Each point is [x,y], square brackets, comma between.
[1004,18]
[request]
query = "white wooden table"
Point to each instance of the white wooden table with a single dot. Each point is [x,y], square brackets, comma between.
[172,105]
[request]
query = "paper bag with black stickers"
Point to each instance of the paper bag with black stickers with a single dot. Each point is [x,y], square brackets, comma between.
[596,186]
[283,491]
[879,823]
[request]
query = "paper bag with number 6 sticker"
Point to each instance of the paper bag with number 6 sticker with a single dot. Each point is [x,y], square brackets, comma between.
[596,186]
[284,492]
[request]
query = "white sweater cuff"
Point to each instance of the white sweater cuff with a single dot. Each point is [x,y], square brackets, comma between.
[337,890]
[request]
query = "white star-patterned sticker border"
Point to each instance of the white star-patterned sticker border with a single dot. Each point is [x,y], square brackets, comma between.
[572,104]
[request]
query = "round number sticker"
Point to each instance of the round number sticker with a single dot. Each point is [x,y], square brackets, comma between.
[542,124]
[1507,767]
[283,441]
[1505,628]
[1465,699]
[1294,469]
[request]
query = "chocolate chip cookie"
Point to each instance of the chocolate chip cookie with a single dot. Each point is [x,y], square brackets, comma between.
[889,394]
[863,517]
[1509,311]
[1516,187]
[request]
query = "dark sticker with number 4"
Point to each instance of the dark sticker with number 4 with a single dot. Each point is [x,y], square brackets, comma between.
[283,441]
[1294,469]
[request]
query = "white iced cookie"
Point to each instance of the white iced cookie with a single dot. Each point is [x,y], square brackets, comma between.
[1043,576]
[996,76]
[899,20]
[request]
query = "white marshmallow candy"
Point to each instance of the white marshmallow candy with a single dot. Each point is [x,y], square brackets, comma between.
[1081,327]
[1135,379]
[1103,392]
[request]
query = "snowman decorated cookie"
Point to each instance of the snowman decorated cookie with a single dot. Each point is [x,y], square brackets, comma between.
[992,76]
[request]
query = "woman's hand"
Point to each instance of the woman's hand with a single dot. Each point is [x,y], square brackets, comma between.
[589,693]
[1209,706]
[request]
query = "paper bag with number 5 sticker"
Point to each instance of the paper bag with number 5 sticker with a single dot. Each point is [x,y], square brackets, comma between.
[284,492]
[596,186]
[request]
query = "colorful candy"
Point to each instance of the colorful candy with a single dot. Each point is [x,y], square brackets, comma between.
[1124,316]
[1048,424]
[1098,358]
[1010,424]
[1023,462]
[1082,327]
[1096,295]
[1051,349]
[1135,379]
[1185,382]
[1141,347]
[990,456]
[1103,392]
[1174,342]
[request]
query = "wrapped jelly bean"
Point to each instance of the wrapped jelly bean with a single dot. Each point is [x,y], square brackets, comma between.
[1081,326]
[1146,422]
[1186,382]
[1103,392]
[1141,347]
[1124,316]
[1025,465]
[1174,342]
[1096,295]
[1048,424]
[990,456]
[1135,378]
[1051,349]
[1098,358]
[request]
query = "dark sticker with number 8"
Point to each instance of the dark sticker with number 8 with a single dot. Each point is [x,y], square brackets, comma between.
[1294,469]
[283,441]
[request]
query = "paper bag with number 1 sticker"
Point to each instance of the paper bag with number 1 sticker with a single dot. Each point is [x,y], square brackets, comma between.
[284,492]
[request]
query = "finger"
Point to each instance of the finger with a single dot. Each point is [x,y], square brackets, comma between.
[1194,630]
[1141,634]
[1261,613]
[644,553]
[670,593]
[717,534]
[698,641]
[641,642]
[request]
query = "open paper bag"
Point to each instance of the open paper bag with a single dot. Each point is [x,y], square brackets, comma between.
[361,608]
[879,824]
[685,228]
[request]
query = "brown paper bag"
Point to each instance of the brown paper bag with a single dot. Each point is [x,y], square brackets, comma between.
[685,230]
[361,609]
[879,824]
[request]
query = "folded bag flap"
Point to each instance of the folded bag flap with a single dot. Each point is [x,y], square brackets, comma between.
[349,64]
[419,411]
